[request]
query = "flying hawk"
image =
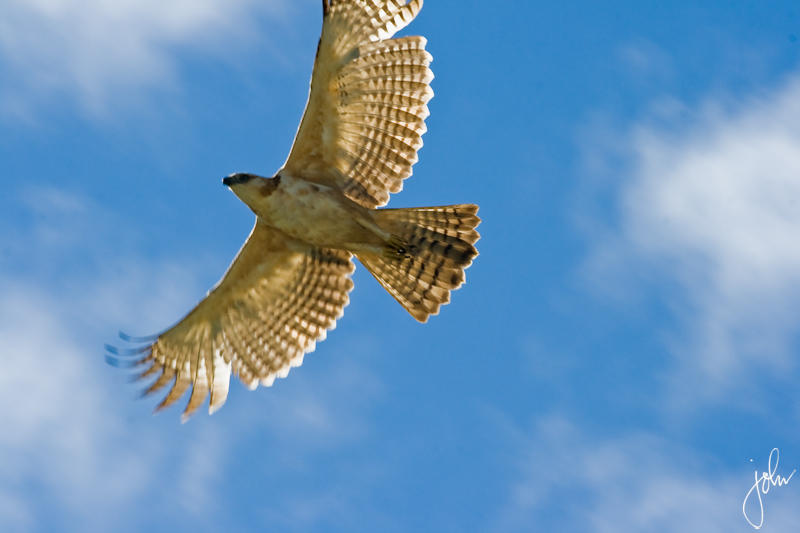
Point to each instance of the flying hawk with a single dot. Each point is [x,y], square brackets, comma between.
[289,283]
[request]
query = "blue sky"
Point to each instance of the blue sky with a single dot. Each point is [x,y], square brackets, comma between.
[625,344]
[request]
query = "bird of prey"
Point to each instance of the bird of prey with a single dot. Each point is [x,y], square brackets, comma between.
[289,283]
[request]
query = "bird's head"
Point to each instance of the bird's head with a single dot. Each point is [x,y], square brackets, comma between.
[249,187]
[238,178]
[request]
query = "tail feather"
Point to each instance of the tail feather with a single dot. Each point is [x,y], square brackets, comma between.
[426,255]
[452,220]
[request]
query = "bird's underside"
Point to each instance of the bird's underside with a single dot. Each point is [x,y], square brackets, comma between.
[287,286]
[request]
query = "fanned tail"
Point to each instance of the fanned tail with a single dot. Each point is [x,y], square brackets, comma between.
[426,256]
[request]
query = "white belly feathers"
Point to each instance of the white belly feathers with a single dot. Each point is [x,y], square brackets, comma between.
[309,212]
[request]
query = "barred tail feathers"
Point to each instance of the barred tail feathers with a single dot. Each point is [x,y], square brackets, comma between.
[426,256]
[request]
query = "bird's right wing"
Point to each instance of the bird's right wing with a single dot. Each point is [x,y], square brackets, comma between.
[367,105]
[278,298]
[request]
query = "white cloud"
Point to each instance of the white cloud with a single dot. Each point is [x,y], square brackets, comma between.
[713,205]
[76,445]
[571,481]
[57,425]
[76,448]
[93,49]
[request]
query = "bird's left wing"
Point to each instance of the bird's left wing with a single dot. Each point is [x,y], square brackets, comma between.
[276,300]
[367,105]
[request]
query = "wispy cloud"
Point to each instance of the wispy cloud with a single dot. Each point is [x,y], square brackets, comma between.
[75,444]
[76,448]
[709,205]
[57,438]
[570,480]
[94,49]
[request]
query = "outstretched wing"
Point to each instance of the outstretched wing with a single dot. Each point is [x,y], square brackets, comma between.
[276,300]
[367,105]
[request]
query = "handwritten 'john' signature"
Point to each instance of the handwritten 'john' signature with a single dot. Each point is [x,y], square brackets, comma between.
[763,484]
